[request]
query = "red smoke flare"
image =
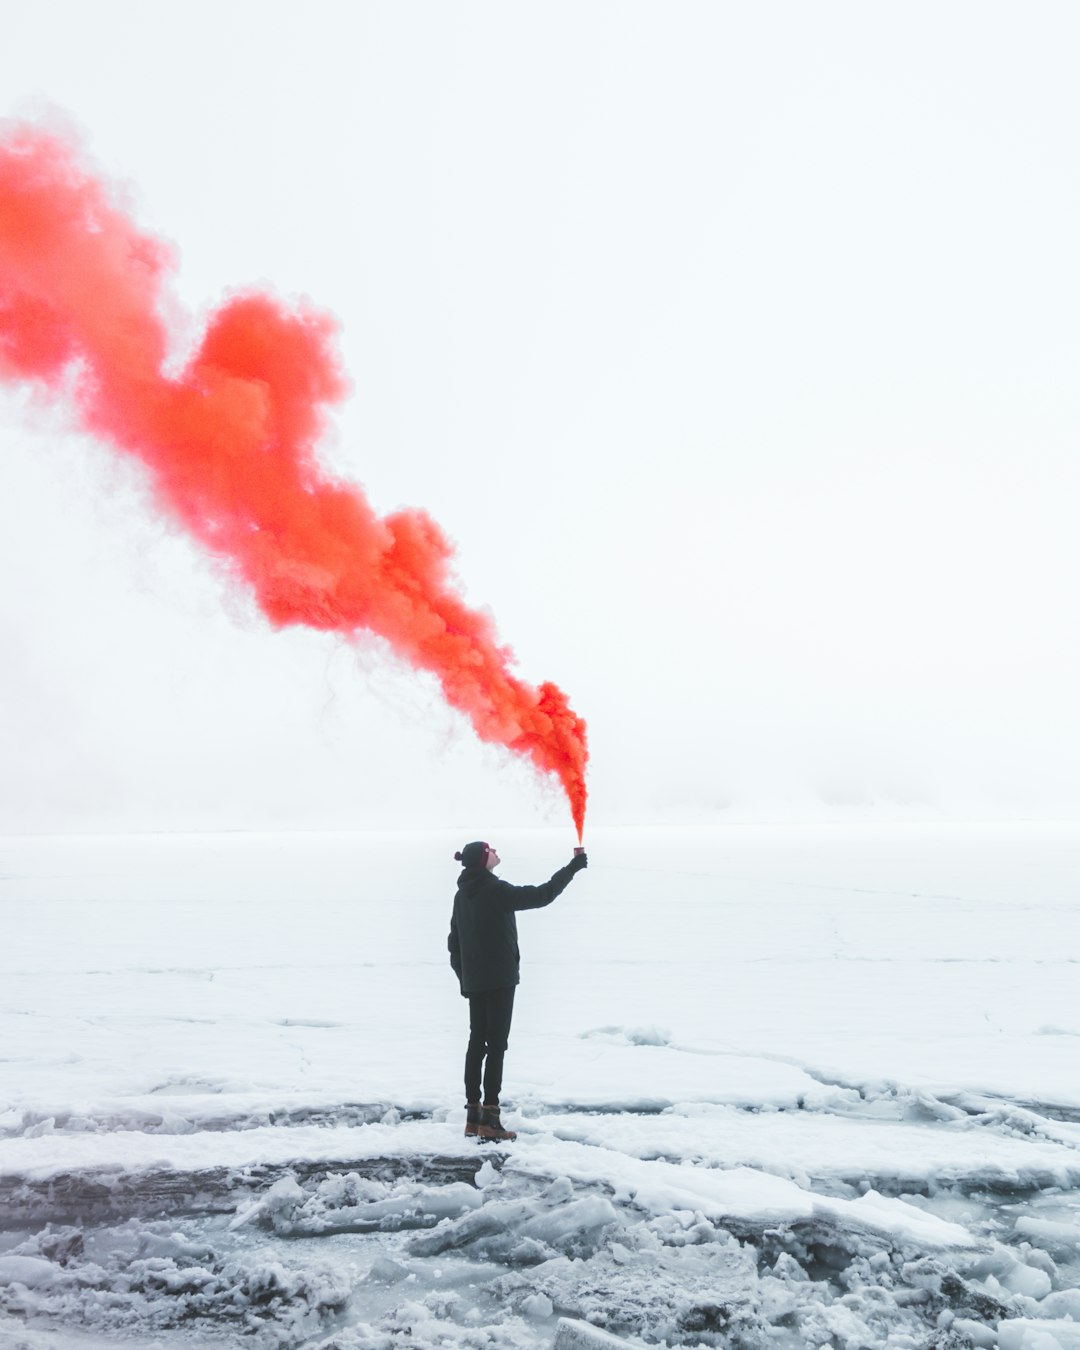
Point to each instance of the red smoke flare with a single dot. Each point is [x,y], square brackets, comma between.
[230,444]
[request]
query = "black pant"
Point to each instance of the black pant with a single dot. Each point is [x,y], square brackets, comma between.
[489,1030]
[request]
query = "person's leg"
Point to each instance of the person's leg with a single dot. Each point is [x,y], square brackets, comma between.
[474,1055]
[500,1011]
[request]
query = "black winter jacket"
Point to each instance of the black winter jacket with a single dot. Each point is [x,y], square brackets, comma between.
[483,941]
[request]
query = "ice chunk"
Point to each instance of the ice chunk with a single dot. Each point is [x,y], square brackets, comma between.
[487,1175]
[977,1332]
[1050,1233]
[1036,1333]
[344,1203]
[570,1334]
[523,1231]
[1025,1279]
[833,1324]
[385,1271]
[447,1202]
[537,1305]
[561,1226]
[1065,1303]
[560,1191]
[283,1198]
[28,1270]
[786,1267]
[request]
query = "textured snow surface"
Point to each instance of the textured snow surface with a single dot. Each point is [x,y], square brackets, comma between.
[773,1086]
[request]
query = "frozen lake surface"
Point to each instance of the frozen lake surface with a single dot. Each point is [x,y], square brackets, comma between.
[774,1085]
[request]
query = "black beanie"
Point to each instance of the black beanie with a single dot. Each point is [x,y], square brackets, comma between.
[473,855]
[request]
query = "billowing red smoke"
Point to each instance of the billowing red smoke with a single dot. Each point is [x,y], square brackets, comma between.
[230,444]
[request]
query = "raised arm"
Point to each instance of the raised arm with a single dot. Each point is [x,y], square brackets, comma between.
[536,897]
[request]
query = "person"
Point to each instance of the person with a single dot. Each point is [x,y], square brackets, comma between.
[483,945]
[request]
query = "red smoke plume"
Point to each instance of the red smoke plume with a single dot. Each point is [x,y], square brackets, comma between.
[230,444]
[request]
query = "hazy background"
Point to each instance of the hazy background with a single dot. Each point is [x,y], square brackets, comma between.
[735,345]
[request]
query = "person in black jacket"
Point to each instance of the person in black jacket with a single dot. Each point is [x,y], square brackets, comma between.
[484,953]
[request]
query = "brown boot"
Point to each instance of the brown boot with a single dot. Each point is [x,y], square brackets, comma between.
[491,1130]
[472,1118]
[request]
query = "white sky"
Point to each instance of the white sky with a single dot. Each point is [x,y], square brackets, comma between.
[736,346]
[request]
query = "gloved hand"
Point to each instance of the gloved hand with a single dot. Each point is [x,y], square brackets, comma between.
[579,861]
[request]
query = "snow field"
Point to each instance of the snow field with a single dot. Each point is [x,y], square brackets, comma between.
[773,1086]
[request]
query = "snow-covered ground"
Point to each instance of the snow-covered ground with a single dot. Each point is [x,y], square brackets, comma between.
[774,1085]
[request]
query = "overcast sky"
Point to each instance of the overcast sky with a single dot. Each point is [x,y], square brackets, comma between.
[735,345]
